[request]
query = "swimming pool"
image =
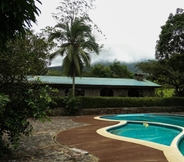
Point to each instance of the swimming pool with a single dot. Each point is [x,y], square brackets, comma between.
[163,129]
[148,132]
[180,145]
[160,118]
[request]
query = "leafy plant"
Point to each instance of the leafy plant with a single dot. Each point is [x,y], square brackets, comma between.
[71,105]
[27,101]
[21,13]
[169,52]
[3,101]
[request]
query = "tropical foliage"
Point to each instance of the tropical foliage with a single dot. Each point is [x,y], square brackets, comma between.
[77,43]
[26,56]
[19,99]
[168,68]
[171,37]
[25,101]
[70,9]
[16,17]
[114,70]
[128,68]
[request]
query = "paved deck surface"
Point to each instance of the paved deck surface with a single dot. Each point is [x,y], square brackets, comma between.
[106,149]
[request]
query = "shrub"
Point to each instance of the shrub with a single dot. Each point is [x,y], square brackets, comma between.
[26,100]
[58,101]
[3,146]
[107,102]
[71,105]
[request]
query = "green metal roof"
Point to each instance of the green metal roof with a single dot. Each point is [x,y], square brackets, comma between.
[94,81]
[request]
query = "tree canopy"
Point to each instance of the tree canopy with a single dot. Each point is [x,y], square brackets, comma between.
[16,16]
[70,9]
[25,56]
[114,70]
[74,37]
[171,38]
[168,68]
[77,43]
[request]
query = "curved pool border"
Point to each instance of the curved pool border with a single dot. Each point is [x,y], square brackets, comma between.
[171,152]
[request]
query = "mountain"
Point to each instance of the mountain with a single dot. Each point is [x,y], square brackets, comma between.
[58,68]
[130,66]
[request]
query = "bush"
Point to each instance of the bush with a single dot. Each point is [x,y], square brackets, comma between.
[71,105]
[107,102]
[102,105]
[25,101]
[3,146]
[57,101]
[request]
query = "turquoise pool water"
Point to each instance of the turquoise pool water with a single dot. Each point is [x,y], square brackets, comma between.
[138,127]
[148,132]
[160,118]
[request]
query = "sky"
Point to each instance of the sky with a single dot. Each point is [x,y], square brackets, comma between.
[131,27]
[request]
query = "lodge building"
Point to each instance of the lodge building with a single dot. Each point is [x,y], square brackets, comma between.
[91,86]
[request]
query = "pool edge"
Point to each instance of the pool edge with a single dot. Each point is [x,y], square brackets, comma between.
[171,152]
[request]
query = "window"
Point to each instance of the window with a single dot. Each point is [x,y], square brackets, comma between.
[78,92]
[135,93]
[106,92]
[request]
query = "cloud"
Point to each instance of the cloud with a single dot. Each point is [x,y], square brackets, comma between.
[115,52]
[122,52]
[132,27]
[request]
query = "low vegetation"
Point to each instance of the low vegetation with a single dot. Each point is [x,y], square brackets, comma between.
[166,92]
[22,102]
[73,105]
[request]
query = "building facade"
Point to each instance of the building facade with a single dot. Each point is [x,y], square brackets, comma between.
[88,86]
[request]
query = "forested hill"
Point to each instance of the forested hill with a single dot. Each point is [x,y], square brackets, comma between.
[58,68]
[130,66]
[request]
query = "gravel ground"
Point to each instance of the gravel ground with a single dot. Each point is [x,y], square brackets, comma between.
[42,147]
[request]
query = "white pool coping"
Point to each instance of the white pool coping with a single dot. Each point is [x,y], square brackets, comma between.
[171,152]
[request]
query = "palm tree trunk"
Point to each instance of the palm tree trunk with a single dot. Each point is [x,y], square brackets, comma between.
[73,85]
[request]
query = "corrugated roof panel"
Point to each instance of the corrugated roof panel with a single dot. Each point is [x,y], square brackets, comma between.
[94,81]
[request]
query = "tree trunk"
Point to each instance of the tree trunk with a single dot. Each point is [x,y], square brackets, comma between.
[73,85]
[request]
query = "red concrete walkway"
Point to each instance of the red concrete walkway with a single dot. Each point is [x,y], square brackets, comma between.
[106,149]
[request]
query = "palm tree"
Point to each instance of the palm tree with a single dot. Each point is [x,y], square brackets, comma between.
[77,44]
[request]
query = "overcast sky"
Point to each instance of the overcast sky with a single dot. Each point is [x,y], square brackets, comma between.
[131,27]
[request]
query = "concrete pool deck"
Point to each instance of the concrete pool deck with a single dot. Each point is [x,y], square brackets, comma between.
[108,149]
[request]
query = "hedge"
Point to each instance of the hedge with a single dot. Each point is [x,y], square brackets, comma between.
[108,102]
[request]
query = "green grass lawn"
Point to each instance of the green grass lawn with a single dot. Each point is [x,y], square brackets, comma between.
[167,92]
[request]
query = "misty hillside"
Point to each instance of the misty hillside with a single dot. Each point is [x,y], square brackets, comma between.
[58,68]
[130,66]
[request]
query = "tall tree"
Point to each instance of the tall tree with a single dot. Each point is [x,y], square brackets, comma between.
[150,69]
[119,71]
[100,70]
[25,56]
[16,17]
[114,70]
[169,65]
[171,38]
[70,9]
[77,42]
[168,72]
